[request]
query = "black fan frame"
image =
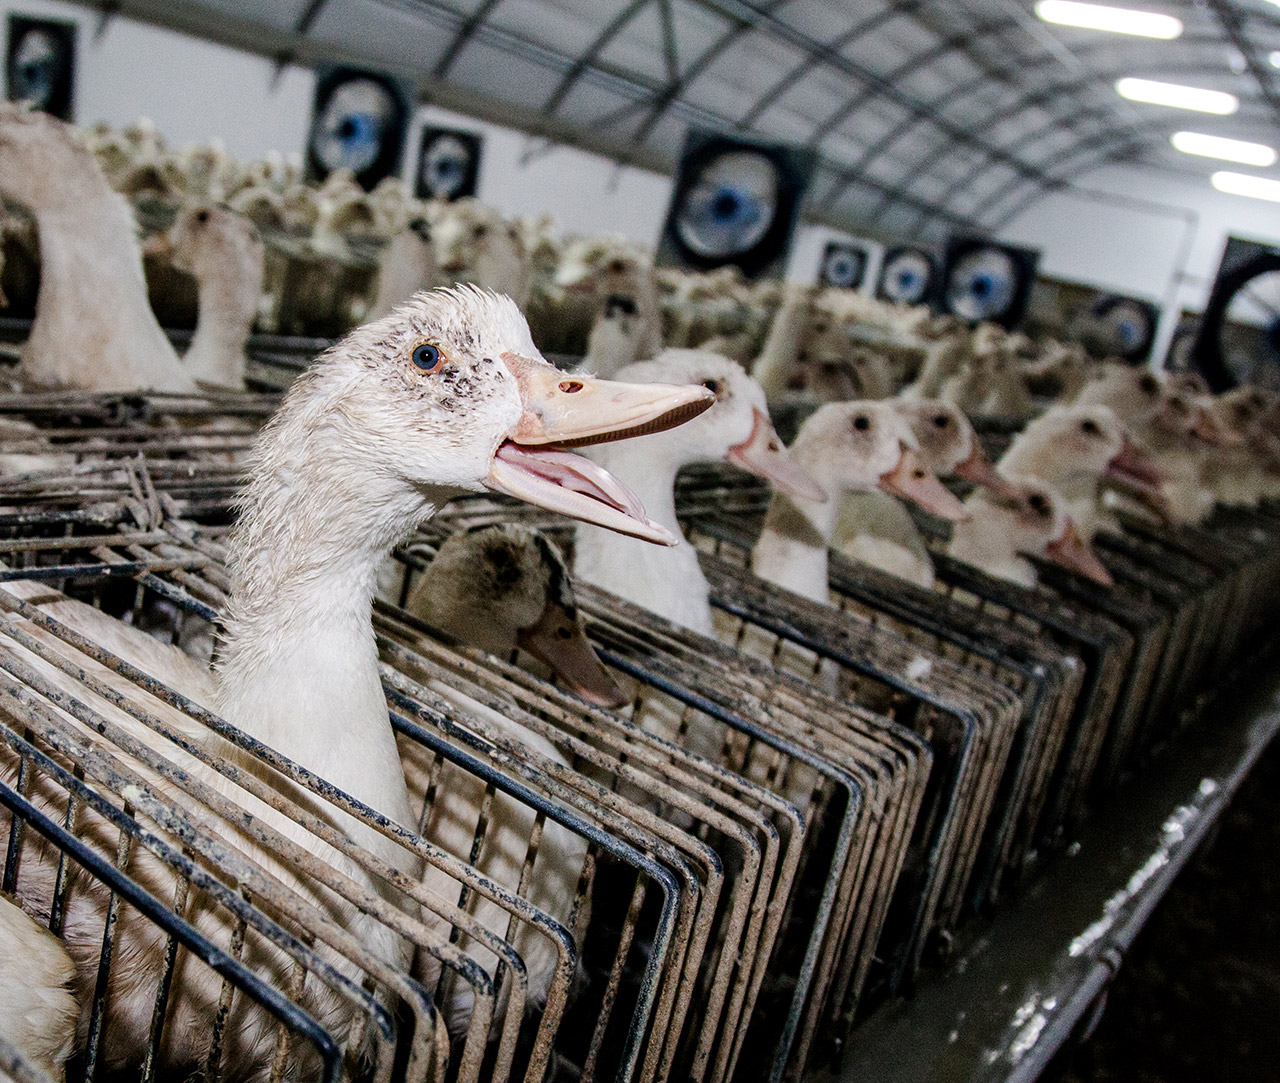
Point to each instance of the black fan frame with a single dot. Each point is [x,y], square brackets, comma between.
[474,143]
[1142,352]
[328,79]
[857,251]
[1024,260]
[891,254]
[1242,262]
[794,167]
[61,103]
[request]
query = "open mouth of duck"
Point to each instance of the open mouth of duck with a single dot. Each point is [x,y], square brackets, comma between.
[563,411]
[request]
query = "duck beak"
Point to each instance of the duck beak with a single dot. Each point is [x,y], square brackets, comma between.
[763,454]
[912,480]
[559,641]
[1071,551]
[574,411]
[1206,430]
[1133,467]
[158,245]
[978,469]
[565,411]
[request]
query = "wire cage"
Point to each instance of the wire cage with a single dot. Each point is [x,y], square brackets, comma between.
[968,720]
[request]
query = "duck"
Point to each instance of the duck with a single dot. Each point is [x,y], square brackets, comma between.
[224,253]
[505,588]
[38,1009]
[93,328]
[476,244]
[613,342]
[775,367]
[848,447]
[877,529]
[737,429]
[445,395]
[406,264]
[1073,449]
[603,269]
[1024,518]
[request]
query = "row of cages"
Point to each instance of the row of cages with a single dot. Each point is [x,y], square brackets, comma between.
[715,881]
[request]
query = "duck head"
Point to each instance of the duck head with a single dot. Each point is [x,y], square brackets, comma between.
[1086,441]
[949,444]
[44,166]
[506,586]
[865,446]
[736,428]
[448,391]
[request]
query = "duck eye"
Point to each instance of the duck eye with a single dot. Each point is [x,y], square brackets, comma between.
[1089,427]
[712,385]
[941,421]
[479,232]
[1149,384]
[1038,504]
[862,423]
[427,357]
[202,216]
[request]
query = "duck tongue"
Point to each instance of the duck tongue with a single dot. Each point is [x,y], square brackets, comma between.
[574,486]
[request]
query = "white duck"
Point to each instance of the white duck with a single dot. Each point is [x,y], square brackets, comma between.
[1073,448]
[93,327]
[447,394]
[476,244]
[38,1011]
[406,265]
[877,529]
[223,252]
[848,447]
[736,428]
[1024,519]
[615,337]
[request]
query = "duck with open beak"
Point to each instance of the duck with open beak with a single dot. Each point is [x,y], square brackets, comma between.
[562,411]
[911,480]
[764,455]
[1072,552]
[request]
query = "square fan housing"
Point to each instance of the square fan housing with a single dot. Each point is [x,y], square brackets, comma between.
[735,202]
[984,280]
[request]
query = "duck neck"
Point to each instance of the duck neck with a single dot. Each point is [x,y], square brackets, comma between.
[644,467]
[792,548]
[228,304]
[93,293]
[781,348]
[299,662]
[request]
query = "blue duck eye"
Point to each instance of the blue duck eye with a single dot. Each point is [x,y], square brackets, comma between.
[427,357]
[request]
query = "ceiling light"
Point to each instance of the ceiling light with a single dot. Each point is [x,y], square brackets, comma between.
[1146,24]
[1275,58]
[1177,96]
[1229,150]
[1241,184]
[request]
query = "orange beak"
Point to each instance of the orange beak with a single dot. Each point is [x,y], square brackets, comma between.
[912,480]
[1072,552]
[763,454]
[978,469]
[559,641]
[1134,468]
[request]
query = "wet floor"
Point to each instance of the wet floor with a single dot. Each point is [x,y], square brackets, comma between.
[1199,996]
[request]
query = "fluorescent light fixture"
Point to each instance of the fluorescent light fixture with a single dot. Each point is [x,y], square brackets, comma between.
[1242,184]
[1229,150]
[1146,24]
[1275,58]
[1178,96]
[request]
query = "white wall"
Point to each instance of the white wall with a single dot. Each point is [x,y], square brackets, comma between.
[1167,253]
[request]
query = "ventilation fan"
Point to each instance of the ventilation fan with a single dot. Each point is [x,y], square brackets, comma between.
[907,276]
[843,265]
[1125,326]
[1239,338]
[448,164]
[1178,358]
[986,281]
[358,122]
[735,202]
[41,64]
